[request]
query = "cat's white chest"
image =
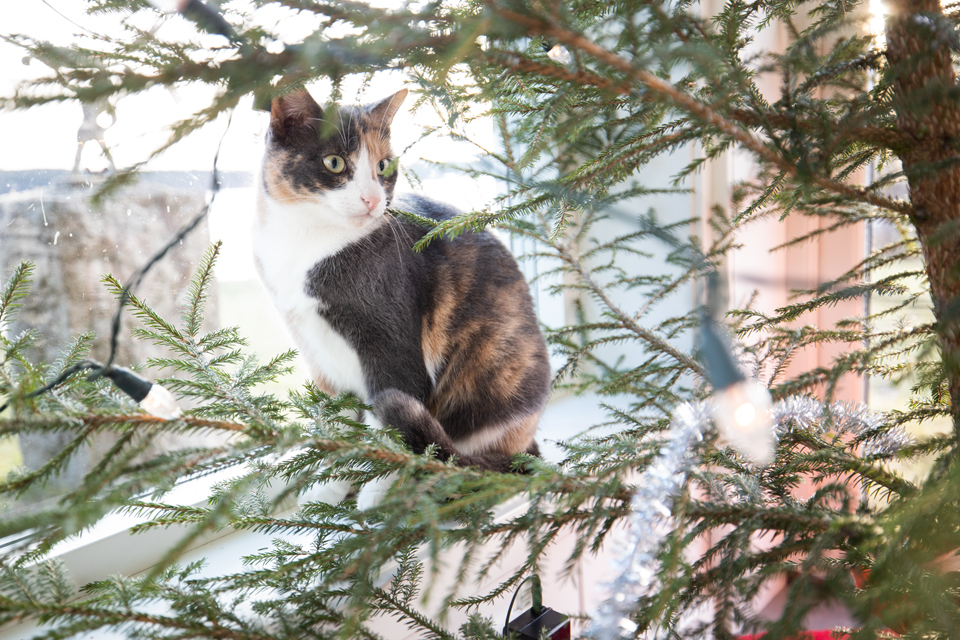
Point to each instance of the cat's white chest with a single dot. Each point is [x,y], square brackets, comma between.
[286,248]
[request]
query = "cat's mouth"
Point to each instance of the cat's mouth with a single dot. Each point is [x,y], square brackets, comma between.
[367,218]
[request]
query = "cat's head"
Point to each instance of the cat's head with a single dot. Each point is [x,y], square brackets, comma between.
[338,161]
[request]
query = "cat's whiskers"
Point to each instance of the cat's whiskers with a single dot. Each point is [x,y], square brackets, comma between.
[339,129]
[344,132]
[396,239]
[403,229]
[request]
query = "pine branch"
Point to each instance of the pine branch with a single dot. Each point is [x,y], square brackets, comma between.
[101,617]
[517,62]
[417,619]
[193,315]
[98,420]
[878,136]
[626,321]
[698,109]
[14,290]
[646,84]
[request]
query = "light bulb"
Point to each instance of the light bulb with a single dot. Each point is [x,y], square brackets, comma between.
[744,414]
[207,18]
[628,626]
[743,417]
[105,119]
[152,398]
[559,54]
[161,403]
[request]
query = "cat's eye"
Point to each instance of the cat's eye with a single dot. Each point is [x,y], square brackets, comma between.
[335,164]
[382,166]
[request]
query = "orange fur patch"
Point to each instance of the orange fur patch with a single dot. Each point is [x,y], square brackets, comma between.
[278,185]
[435,331]
[377,144]
[323,383]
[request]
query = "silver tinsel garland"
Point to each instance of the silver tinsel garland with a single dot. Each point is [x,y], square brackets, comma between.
[652,506]
[840,418]
[636,566]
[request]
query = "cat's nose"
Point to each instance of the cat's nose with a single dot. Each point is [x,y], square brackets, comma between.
[371,201]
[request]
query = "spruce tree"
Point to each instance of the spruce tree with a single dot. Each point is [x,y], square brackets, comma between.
[643,80]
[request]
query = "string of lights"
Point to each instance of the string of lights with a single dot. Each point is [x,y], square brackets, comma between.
[152,398]
[204,16]
[746,419]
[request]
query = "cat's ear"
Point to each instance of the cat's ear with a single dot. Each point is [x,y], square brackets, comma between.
[294,111]
[382,112]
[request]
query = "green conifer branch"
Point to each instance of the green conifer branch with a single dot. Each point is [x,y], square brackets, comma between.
[577,139]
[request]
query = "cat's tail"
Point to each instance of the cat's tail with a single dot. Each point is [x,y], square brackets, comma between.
[411,418]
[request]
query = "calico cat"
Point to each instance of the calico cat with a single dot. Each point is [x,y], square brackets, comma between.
[444,343]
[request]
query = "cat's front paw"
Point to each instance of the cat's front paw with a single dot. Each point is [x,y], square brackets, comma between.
[372,493]
[332,492]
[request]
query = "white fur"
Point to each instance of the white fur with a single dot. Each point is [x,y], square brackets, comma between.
[333,492]
[490,438]
[487,439]
[366,183]
[433,367]
[372,493]
[289,238]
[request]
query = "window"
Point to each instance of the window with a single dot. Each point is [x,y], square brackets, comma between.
[45,216]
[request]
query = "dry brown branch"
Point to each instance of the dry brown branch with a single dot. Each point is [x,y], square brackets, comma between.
[142,418]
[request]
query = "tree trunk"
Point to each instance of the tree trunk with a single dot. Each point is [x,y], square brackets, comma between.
[918,53]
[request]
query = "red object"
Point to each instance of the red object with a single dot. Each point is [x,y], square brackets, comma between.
[809,635]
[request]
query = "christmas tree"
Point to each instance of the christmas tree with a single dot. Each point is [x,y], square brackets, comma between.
[586,97]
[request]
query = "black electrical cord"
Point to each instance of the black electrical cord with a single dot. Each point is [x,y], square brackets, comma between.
[209,19]
[135,281]
[536,579]
[63,377]
[127,381]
